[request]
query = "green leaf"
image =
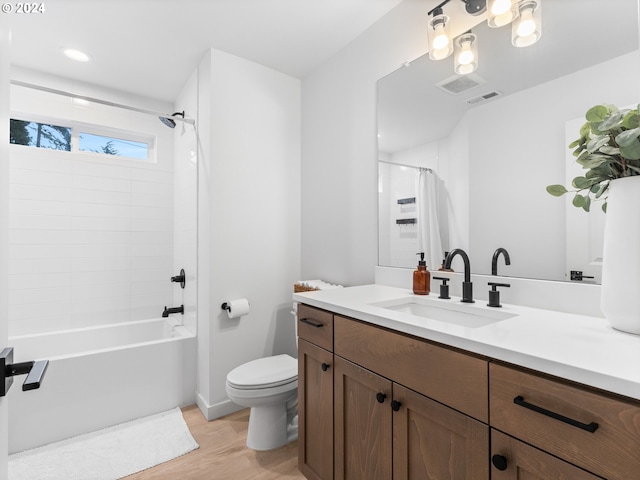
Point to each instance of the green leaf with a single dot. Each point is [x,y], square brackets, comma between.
[631,152]
[627,137]
[601,189]
[579,201]
[597,113]
[594,160]
[608,150]
[587,203]
[630,120]
[557,190]
[581,183]
[597,142]
[575,143]
[604,207]
[615,120]
[585,130]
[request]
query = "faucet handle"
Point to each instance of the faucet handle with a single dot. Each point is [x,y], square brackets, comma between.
[444,288]
[494,294]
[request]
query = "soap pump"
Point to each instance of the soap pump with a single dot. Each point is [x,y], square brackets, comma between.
[421,277]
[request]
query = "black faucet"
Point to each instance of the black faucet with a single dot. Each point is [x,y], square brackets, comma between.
[494,260]
[467,286]
[169,311]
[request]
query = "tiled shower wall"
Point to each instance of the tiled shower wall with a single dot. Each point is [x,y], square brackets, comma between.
[91,239]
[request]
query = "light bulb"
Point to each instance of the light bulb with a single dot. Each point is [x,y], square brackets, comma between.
[527,25]
[440,39]
[466,55]
[500,7]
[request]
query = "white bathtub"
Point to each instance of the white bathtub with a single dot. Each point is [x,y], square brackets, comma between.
[99,377]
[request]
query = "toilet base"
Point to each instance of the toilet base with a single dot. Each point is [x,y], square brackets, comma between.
[271,427]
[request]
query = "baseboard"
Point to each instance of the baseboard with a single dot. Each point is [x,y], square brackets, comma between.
[211,412]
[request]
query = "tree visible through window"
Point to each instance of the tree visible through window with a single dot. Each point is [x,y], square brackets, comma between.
[55,137]
[41,135]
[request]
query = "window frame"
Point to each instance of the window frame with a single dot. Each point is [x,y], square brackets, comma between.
[77,128]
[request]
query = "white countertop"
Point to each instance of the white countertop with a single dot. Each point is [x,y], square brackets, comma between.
[576,347]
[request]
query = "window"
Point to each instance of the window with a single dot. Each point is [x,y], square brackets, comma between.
[113,146]
[91,139]
[40,135]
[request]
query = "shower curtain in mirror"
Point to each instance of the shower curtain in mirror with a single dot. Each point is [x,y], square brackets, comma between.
[429,240]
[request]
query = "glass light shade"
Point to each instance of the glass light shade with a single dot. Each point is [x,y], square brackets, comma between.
[466,56]
[527,29]
[440,44]
[501,12]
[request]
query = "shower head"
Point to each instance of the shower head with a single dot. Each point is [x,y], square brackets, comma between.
[170,122]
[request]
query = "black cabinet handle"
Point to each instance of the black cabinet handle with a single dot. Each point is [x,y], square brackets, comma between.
[591,427]
[380,397]
[500,462]
[311,322]
[395,405]
[325,366]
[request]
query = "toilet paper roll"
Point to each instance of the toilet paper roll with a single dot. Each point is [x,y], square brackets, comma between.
[237,308]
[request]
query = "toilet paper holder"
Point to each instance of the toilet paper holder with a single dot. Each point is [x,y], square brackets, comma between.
[225,306]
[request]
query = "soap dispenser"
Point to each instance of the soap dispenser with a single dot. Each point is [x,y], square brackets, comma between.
[421,277]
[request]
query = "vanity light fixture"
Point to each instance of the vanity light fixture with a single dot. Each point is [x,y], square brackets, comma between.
[524,16]
[466,56]
[440,44]
[525,30]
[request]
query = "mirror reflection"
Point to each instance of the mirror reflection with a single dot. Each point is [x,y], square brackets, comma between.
[495,138]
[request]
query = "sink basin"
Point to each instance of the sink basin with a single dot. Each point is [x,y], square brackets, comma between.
[465,315]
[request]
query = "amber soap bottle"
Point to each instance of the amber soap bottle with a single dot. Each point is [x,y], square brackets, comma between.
[421,277]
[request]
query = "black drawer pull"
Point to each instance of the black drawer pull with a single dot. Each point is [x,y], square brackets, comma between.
[324,366]
[311,322]
[500,462]
[591,427]
[395,405]
[380,397]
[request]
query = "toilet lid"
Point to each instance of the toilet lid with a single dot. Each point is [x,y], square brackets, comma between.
[264,373]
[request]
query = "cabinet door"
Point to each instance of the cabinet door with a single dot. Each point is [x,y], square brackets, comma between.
[315,411]
[518,461]
[434,442]
[362,423]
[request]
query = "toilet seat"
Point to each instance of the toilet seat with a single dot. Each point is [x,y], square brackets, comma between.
[264,373]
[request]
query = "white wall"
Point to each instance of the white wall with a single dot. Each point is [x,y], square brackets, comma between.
[249,217]
[339,159]
[91,239]
[185,195]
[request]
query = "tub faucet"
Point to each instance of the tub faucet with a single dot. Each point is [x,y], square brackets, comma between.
[467,286]
[169,311]
[494,260]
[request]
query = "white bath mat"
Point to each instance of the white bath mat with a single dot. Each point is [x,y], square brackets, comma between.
[107,454]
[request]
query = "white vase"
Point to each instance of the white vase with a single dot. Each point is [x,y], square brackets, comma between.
[620,298]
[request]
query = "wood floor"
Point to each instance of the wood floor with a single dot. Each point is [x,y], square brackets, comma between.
[223,454]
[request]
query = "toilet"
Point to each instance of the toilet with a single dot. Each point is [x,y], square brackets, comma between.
[269,386]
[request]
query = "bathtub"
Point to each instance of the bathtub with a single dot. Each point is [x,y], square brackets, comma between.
[99,377]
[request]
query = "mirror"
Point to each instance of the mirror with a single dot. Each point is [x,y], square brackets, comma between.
[497,137]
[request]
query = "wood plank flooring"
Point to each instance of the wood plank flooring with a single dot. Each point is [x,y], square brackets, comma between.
[223,454]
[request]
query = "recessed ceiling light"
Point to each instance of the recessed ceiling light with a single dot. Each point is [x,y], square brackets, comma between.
[76,55]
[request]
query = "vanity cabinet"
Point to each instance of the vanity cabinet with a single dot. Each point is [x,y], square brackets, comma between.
[315,393]
[401,407]
[593,430]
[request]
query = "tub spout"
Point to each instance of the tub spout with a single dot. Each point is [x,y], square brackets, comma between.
[169,311]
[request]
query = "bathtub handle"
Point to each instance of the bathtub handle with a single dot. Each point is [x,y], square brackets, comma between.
[34,370]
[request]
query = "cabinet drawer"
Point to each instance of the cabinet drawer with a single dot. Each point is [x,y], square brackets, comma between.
[316,326]
[598,432]
[448,376]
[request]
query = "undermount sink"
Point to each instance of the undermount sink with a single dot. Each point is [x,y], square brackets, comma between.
[465,315]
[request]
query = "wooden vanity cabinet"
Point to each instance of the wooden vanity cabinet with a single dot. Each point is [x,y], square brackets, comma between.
[384,430]
[315,393]
[593,430]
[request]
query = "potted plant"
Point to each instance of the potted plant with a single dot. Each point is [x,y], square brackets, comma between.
[608,148]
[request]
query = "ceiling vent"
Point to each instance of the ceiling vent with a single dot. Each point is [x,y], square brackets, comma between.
[484,97]
[460,83]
